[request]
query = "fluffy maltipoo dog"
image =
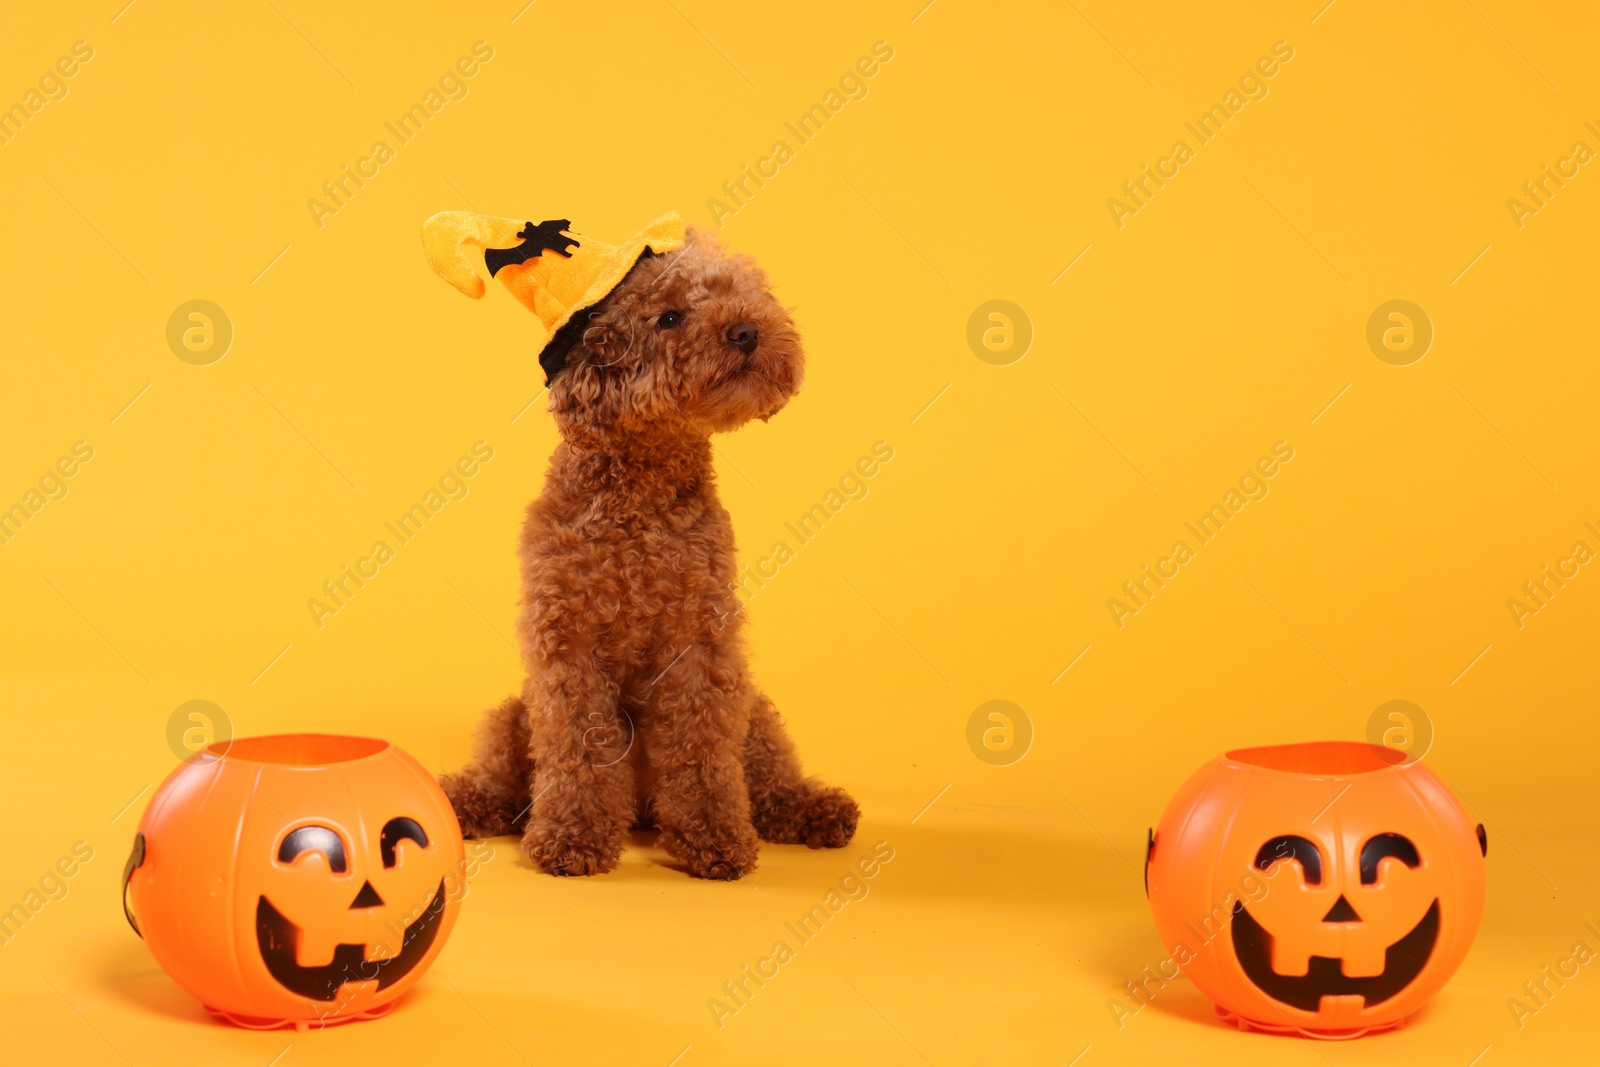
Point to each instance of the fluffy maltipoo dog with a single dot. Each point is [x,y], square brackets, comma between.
[638,709]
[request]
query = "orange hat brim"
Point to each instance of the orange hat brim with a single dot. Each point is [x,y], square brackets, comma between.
[454,243]
[665,233]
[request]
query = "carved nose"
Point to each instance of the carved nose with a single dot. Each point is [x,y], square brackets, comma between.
[1341,912]
[367,898]
[744,337]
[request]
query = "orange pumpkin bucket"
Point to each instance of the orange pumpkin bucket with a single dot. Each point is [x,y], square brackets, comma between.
[1327,888]
[301,879]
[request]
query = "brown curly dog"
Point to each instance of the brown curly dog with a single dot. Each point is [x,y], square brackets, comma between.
[638,709]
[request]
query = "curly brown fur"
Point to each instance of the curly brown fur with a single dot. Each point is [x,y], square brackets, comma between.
[638,707]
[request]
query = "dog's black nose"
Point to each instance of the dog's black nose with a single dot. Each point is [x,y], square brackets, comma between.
[744,337]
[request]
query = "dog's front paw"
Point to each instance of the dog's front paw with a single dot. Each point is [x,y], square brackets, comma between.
[719,861]
[565,857]
[481,812]
[820,818]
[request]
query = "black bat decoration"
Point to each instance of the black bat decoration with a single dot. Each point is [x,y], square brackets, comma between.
[535,240]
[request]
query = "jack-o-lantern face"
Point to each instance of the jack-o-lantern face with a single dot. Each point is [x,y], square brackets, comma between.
[1342,925]
[302,878]
[1323,888]
[278,937]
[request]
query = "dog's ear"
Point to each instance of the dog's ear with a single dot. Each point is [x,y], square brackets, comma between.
[553,356]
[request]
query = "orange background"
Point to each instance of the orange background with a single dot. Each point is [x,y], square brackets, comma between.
[1228,314]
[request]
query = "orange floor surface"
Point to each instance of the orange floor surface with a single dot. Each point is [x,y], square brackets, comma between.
[1226,378]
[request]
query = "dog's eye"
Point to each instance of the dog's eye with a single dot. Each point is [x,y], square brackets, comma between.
[669,320]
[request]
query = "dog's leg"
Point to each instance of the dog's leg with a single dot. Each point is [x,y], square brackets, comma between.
[583,798]
[693,740]
[491,794]
[785,806]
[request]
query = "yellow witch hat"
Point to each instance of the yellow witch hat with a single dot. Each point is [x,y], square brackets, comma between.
[554,271]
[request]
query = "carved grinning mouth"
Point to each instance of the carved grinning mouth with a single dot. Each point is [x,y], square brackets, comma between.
[1325,976]
[279,941]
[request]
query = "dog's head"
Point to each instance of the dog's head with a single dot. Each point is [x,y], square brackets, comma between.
[689,336]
